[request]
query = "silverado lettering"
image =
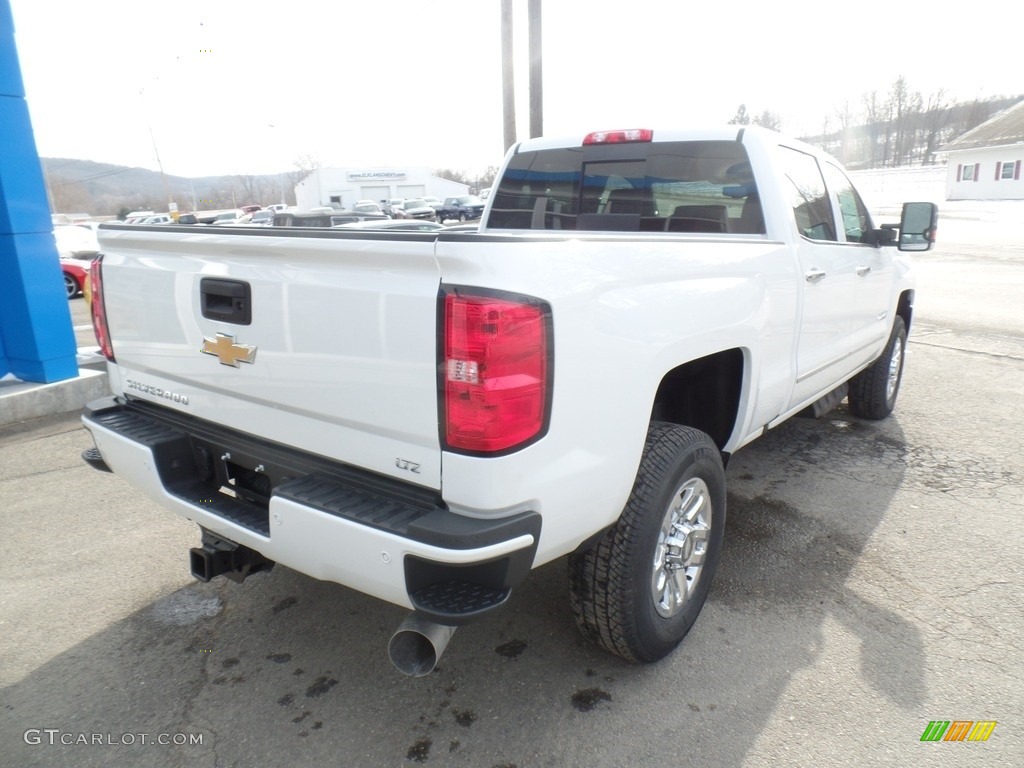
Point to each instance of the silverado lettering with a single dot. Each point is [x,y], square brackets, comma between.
[174,397]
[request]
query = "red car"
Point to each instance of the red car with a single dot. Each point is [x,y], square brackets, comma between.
[76,272]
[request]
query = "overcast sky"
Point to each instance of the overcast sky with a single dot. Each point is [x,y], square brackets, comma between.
[246,86]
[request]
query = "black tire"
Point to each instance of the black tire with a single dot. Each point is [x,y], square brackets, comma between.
[70,286]
[873,391]
[462,217]
[612,586]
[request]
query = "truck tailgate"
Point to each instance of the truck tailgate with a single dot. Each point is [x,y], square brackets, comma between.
[335,353]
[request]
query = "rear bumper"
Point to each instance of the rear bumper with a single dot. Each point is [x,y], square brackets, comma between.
[391,540]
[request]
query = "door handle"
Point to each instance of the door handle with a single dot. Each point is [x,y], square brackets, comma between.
[862,271]
[229,301]
[814,275]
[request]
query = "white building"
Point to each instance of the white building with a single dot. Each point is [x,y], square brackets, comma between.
[985,163]
[342,187]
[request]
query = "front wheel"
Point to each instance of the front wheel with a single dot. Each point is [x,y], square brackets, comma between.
[873,391]
[638,591]
[462,217]
[70,286]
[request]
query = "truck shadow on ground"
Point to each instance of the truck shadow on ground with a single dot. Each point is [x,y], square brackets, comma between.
[812,557]
[288,670]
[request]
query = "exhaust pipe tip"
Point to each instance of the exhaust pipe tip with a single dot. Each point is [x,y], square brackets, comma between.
[417,645]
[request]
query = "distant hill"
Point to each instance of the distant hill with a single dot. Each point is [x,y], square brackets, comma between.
[906,133]
[889,132]
[102,189]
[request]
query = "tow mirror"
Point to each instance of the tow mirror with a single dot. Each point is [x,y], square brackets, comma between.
[917,226]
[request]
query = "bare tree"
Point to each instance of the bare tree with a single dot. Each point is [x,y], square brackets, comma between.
[976,115]
[304,166]
[489,176]
[769,119]
[874,118]
[68,196]
[936,127]
[741,117]
[825,141]
[460,176]
[250,189]
[844,116]
[904,107]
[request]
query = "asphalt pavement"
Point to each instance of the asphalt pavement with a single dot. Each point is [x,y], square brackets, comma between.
[870,584]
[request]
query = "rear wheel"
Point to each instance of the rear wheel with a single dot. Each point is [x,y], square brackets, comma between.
[639,590]
[70,286]
[873,391]
[462,217]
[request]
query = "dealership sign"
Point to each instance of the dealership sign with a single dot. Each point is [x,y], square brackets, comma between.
[375,175]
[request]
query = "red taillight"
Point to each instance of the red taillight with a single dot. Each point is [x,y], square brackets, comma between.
[99,311]
[619,137]
[496,372]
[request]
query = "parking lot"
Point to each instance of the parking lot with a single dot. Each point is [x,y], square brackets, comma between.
[870,584]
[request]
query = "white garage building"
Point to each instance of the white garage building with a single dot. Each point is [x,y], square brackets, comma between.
[985,163]
[342,187]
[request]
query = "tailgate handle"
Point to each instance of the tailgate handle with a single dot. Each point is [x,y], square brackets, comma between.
[229,301]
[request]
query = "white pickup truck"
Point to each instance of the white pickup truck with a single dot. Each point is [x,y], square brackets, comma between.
[425,417]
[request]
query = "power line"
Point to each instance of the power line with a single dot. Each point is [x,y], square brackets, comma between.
[90,178]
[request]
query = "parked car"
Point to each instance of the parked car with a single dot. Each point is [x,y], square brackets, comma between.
[463,208]
[322,219]
[367,206]
[349,217]
[393,207]
[230,217]
[484,193]
[433,202]
[160,218]
[75,241]
[76,272]
[417,208]
[400,225]
[264,218]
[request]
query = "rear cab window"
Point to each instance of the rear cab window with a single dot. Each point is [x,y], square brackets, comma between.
[680,186]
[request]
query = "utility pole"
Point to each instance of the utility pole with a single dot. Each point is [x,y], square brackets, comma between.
[508,84]
[536,75]
[171,205]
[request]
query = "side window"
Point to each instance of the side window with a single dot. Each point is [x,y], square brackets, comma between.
[856,219]
[810,202]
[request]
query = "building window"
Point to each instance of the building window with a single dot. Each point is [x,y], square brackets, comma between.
[967,173]
[1010,170]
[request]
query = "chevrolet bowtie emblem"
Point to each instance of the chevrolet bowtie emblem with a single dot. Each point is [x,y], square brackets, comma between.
[224,349]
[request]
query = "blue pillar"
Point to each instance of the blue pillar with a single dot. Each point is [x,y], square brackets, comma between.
[37,342]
